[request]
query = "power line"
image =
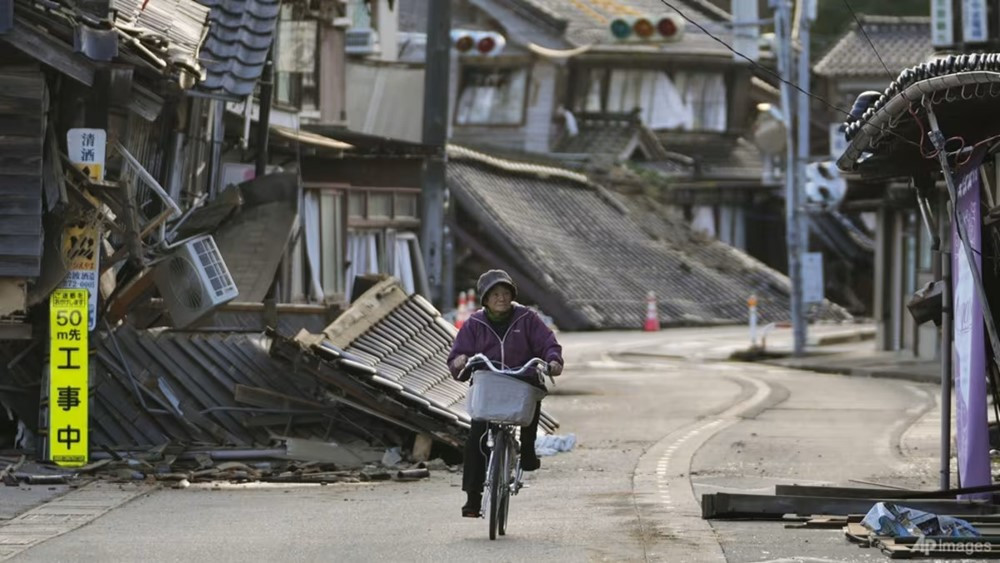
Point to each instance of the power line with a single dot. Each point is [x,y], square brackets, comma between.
[764,69]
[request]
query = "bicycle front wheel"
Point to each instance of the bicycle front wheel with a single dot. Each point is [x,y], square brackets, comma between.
[497,482]
[504,507]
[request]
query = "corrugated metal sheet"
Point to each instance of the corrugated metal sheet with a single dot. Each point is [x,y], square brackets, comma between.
[23,99]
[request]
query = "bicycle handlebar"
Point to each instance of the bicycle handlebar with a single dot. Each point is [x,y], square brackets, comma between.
[537,363]
[540,365]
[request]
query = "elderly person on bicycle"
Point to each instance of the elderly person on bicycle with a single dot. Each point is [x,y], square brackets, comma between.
[509,335]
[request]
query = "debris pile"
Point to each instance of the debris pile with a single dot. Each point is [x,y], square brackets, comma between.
[901,523]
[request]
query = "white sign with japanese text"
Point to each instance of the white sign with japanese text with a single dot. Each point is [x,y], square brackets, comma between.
[87,149]
[812,277]
[82,256]
[974,25]
[942,30]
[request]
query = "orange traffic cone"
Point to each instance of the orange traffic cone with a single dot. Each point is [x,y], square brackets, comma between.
[471,302]
[462,313]
[652,317]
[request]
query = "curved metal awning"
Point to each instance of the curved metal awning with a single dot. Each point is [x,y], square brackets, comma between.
[891,138]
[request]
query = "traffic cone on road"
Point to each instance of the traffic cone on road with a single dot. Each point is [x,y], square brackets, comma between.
[463,311]
[652,317]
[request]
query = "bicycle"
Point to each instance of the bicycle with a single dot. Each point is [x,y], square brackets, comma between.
[506,399]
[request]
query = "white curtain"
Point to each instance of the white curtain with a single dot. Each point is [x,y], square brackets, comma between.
[402,265]
[362,253]
[705,95]
[492,96]
[704,220]
[691,101]
[312,233]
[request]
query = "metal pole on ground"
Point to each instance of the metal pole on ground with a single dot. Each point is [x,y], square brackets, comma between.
[807,14]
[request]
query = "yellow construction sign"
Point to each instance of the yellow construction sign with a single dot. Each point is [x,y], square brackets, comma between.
[68,377]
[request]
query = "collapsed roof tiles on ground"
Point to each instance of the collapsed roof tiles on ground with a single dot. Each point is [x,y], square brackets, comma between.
[592,260]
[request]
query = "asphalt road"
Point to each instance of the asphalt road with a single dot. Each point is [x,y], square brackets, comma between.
[658,419]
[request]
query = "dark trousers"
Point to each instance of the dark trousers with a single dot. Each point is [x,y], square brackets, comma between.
[477,456]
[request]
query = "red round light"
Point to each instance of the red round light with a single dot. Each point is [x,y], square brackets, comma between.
[643,27]
[486,44]
[667,27]
[464,43]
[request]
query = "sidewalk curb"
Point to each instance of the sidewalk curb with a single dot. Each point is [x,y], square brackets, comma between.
[859,372]
[858,335]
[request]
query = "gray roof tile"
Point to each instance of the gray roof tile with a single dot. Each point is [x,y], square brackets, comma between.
[240,34]
[901,41]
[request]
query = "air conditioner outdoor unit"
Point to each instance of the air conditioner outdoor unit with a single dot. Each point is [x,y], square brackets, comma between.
[361,41]
[194,280]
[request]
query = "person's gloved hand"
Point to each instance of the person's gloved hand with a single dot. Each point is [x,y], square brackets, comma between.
[458,364]
[555,368]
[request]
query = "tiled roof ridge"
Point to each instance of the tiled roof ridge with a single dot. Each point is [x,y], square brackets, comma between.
[886,19]
[459,152]
[543,13]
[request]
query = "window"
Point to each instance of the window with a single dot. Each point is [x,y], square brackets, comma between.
[685,100]
[295,59]
[491,96]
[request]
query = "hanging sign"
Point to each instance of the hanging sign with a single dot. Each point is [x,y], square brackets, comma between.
[87,148]
[969,351]
[80,248]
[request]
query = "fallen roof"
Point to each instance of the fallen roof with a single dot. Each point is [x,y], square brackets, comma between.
[589,260]
[373,378]
[901,42]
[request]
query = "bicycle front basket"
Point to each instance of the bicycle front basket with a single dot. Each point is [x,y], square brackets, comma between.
[501,398]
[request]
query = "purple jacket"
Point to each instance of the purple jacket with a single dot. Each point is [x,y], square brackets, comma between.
[526,337]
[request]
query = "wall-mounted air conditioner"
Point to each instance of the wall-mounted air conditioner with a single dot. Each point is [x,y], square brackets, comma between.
[194,280]
[361,41]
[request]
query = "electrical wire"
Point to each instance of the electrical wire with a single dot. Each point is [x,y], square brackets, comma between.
[770,72]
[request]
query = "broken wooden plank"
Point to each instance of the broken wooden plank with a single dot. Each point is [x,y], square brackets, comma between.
[769,507]
[268,399]
[861,492]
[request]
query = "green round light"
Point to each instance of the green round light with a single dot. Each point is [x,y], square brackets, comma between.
[620,29]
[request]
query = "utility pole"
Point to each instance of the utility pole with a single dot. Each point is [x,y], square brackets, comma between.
[435,133]
[807,15]
[793,238]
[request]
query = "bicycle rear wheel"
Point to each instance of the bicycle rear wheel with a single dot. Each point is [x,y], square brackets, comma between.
[496,479]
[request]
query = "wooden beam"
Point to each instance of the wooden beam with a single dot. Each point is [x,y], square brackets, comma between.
[15,332]
[772,507]
[267,399]
[54,53]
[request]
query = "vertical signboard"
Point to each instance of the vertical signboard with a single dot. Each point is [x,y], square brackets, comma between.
[969,352]
[80,247]
[942,26]
[87,150]
[68,377]
[812,277]
[974,25]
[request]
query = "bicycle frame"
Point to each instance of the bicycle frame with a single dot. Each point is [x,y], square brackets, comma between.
[503,469]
